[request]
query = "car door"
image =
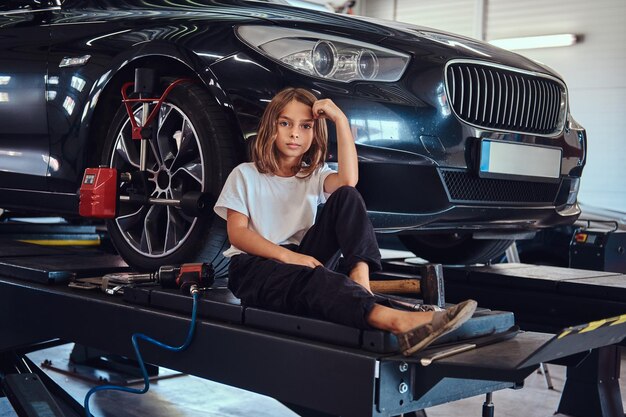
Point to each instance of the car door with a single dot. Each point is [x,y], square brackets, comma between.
[24,147]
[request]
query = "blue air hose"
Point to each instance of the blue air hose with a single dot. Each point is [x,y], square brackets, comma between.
[142,366]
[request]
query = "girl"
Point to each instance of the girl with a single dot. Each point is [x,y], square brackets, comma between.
[280,259]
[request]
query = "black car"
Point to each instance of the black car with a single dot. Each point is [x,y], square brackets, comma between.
[463,147]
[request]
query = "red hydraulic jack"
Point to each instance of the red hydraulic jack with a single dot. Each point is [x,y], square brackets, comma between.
[99,190]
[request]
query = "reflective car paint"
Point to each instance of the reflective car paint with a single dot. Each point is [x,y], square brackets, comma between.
[24,133]
[405,131]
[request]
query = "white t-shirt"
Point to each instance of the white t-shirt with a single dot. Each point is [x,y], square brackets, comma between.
[281,209]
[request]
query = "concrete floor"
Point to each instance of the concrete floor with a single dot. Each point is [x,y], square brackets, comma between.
[188,396]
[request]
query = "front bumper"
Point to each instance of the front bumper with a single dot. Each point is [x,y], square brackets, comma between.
[459,219]
[428,198]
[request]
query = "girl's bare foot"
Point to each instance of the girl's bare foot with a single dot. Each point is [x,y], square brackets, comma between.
[397,321]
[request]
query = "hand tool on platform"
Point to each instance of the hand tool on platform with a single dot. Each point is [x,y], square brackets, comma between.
[429,285]
[396,286]
[100,191]
[405,303]
[189,277]
[469,345]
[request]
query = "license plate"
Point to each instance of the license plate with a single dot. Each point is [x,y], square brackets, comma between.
[519,161]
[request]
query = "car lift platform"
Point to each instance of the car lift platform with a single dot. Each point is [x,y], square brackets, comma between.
[543,298]
[315,367]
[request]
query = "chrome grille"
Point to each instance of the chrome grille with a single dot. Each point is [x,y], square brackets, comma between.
[465,187]
[498,98]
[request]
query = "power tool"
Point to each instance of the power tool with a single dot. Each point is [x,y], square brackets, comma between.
[188,277]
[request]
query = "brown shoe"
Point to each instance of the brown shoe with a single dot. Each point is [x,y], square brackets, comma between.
[443,322]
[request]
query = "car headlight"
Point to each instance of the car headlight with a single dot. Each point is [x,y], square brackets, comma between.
[325,56]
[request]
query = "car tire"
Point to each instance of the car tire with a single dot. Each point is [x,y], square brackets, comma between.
[455,249]
[194,151]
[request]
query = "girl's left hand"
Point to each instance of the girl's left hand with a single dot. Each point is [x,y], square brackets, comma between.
[327,109]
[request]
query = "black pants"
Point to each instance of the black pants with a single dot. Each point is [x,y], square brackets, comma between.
[342,226]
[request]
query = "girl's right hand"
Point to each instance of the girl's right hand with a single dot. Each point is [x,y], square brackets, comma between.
[325,108]
[301,259]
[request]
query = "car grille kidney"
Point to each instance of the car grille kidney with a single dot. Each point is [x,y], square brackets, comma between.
[495,97]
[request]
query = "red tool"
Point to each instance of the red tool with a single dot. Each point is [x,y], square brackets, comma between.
[137,129]
[186,276]
[99,191]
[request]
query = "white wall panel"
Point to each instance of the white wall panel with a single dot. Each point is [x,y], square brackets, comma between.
[594,70]
[457,15]
[381,9]
[602,24]
[450,15]
[602,112]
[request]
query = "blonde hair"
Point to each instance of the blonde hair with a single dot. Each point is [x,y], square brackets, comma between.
[264,151]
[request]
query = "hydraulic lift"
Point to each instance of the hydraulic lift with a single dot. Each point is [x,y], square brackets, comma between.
[317,368]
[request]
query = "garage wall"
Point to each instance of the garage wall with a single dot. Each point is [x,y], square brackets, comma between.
[595,69]
[451,15]
[381,9]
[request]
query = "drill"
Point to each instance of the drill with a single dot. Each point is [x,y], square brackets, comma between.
[188,277]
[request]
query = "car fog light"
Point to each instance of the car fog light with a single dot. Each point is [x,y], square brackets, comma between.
[324,57]
[574,185]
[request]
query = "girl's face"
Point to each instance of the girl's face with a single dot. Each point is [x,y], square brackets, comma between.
[294,132]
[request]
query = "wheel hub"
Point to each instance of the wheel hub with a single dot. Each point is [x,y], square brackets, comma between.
[176,167]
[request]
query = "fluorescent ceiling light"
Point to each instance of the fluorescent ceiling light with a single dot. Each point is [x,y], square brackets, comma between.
[532,42]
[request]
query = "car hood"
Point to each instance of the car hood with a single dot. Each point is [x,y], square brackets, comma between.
[414,39]
[462,45]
